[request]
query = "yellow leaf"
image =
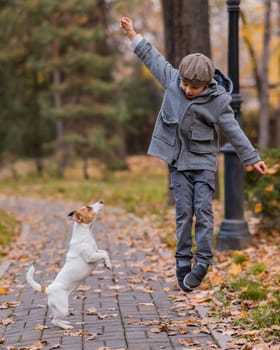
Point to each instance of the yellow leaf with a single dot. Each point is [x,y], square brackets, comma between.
[272,171]
[269,188]
[249,168]
[41,78]
[216,279]
[258,208]
[146,268]
[235,269]
[238,313]
[4,290]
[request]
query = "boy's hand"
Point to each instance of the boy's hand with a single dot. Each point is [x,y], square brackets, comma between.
[260,167]
[127,27]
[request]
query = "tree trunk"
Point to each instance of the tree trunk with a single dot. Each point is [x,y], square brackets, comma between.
[264,100]
[85,168]
[59,128]
[186,30]
[59,124]
[278,108]
[39,166]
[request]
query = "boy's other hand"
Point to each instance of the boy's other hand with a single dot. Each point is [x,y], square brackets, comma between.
[260,167]
[126,25]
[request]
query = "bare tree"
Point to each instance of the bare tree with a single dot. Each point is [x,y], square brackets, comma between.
[278,108]
[252,53]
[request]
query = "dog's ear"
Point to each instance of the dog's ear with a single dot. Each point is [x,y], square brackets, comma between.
[71,214]
[75,216]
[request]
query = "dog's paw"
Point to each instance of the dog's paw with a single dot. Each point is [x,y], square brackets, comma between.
[108,265]
[67,326]
[62,324]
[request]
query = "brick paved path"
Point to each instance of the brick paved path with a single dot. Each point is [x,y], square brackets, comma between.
[134,306]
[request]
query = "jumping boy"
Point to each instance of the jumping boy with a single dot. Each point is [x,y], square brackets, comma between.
[196,101]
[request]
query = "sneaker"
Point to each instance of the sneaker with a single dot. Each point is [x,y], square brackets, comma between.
[181,272]
[194,278]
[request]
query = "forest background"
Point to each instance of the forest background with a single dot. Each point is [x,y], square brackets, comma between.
[71,89]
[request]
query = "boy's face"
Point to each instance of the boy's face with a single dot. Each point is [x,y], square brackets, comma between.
[191,91]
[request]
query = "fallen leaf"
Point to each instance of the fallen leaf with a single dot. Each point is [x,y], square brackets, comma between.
[40,327]
[146,304]
[9,304]
[182,307]
[38,345]
[117,287]
[261,347]
[91,311]
[74,333]
[7,321]
[83,288]
[146,268]
[188,342]
[235,269]
[4,290]
[258,208]
[155,330]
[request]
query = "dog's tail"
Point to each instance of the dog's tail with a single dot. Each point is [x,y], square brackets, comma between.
[32,282]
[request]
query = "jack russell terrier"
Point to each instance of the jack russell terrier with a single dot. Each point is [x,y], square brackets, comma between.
[81,260]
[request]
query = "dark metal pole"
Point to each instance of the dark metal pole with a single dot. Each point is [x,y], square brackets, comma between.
[234,233]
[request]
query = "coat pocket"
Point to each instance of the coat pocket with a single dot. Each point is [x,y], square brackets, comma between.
[203,141]
[165,128]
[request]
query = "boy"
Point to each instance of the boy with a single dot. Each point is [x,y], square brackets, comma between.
[196,100]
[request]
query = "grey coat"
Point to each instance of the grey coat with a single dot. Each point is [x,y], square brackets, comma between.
[185,133]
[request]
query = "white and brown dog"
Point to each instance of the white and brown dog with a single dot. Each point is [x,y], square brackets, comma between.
[81,260]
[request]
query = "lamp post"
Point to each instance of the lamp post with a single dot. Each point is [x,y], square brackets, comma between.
[234,233]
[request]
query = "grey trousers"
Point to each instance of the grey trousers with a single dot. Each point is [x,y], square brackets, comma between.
[193,195]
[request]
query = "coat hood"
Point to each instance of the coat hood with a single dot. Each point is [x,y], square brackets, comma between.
[220,84]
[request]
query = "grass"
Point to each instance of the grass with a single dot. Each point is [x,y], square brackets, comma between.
[250,289]
[239,257]
[9,229]
[265,317]
[134,194]
[258,268]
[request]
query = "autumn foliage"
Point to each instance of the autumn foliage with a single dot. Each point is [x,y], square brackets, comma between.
[263,193]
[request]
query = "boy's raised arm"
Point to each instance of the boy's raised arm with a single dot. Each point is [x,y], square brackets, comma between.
[126,25]
[162,70]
